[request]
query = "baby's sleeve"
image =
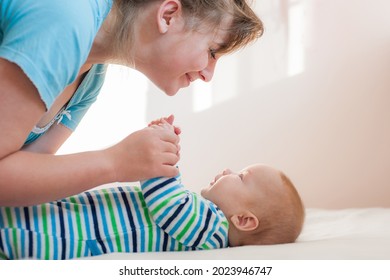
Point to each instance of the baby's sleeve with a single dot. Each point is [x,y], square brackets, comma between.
[184,215]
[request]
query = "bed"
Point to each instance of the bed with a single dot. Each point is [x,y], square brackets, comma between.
[353,234]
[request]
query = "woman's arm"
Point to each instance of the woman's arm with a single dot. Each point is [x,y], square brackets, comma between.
[30,178]
[20,107]
[51,141]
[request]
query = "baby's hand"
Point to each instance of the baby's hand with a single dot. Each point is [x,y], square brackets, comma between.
[167,123]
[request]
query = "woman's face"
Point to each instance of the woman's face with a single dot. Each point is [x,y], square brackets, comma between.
[177,57]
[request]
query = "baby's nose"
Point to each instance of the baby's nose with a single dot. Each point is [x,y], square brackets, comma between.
[227,171]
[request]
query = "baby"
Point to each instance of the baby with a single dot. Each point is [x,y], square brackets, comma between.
[256,206]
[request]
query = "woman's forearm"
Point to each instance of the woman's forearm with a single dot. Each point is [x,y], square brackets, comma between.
[29,178]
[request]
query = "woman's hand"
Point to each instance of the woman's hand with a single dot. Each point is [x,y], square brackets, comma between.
[147,153]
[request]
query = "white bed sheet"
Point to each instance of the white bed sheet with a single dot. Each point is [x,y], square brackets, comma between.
[353,234]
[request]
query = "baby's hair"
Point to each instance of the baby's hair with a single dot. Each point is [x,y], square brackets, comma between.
[282,223]
[246,27]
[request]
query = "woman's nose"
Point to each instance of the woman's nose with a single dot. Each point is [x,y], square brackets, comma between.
[207,73]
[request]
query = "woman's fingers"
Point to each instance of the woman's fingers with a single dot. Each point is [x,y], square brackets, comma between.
[169,171]
[169,136]
[169,159]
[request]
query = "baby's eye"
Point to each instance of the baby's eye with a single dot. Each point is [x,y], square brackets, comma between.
[212,53]
[241,176]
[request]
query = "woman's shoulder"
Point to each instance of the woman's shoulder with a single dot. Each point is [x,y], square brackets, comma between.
[54,22]
[46,35]
[55,12]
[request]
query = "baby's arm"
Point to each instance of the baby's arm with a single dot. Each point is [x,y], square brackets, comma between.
[184,215]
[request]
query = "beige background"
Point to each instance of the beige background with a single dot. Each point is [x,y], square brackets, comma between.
[311,97]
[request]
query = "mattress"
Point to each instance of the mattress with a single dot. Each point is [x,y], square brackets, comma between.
[343,234]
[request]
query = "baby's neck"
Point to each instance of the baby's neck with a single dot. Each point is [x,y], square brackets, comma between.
[236,237]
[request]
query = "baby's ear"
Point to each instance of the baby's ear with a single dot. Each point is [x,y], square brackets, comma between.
[246,221]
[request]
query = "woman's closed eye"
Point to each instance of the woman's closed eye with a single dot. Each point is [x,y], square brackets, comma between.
[213,53]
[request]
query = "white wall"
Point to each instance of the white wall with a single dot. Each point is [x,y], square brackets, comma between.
[311,97]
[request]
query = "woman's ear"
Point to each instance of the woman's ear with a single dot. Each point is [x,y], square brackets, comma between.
[167,13]
[246,221]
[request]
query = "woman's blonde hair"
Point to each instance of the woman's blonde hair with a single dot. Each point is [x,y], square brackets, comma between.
[245,25]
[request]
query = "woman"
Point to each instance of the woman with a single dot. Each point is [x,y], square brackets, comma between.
[52,65]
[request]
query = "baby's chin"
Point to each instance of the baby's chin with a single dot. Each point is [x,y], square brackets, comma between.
[204,192]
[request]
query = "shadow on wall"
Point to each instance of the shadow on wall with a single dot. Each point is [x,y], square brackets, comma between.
[325,121]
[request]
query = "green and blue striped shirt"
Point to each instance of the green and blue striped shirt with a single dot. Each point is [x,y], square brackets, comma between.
[158,216]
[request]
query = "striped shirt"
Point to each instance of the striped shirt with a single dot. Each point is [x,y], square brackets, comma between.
[158,216]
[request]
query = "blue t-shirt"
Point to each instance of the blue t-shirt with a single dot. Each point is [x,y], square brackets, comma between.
[72,113]
[50,40]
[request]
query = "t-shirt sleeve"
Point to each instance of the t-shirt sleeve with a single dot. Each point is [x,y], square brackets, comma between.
[184,215]
[87,95]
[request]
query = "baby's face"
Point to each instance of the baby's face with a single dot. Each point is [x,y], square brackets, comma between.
[234,192]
